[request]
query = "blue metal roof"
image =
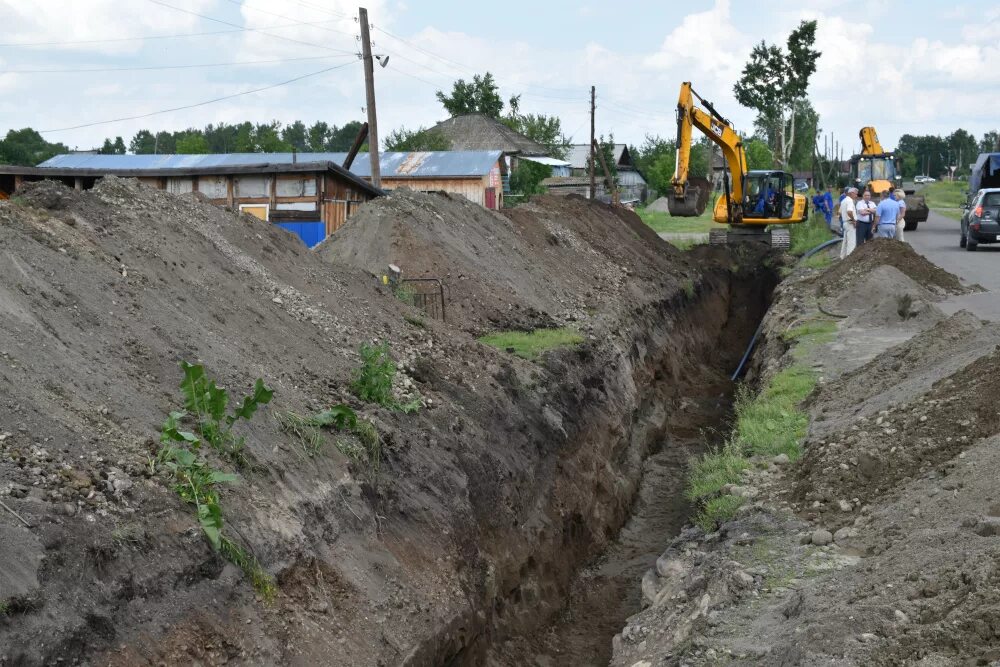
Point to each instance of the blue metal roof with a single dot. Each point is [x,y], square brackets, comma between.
[417,164]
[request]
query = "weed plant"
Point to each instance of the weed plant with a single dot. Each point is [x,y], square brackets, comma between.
[194,479]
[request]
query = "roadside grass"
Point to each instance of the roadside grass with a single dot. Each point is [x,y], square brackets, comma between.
[809,234]
[531,345]
[661,222]
[945,194]
[767,424]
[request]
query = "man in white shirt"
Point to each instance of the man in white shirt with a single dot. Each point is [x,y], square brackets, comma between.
[848,222]
[865,212]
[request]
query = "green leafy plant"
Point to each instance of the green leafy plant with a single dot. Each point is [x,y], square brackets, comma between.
[405,293]
[194,479]
[209,404]
[373,379]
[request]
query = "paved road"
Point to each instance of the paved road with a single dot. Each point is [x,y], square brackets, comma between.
[937,240]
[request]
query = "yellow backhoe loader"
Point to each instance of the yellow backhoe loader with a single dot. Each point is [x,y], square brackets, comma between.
[878,170]
[756,205]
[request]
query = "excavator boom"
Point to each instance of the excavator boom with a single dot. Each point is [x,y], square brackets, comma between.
[869,142]
[690,194]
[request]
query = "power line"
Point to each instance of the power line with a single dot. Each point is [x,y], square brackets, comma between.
[162,67]
[175,36]
[198,104]
[234,25]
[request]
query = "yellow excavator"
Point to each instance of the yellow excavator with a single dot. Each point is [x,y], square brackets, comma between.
[756,205]
[878,170]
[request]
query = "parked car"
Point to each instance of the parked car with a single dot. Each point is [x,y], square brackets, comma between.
[981,219]
[801,185]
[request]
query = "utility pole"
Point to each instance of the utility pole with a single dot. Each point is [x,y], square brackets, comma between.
[366,57]
[593,139]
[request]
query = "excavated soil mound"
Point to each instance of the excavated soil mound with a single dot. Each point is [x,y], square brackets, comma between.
[908,369]
[905,440]
[543,264]
[889,297]
[857,268]
[483,502]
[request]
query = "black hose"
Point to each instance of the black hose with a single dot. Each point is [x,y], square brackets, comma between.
[760,327]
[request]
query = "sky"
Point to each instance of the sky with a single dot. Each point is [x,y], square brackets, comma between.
[917,67]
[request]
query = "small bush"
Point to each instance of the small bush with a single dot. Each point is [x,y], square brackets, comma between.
[373,379]
[531,345]
[717,511]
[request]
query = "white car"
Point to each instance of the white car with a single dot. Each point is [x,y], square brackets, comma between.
[923,179]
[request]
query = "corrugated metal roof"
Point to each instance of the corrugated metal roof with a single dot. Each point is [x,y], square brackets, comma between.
[432,164]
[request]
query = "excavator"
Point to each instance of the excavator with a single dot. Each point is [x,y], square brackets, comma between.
[878,169]
[756,205]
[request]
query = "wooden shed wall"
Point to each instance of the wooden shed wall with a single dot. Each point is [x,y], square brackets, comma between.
[470,188]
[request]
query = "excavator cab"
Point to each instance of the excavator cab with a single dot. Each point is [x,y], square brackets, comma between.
[768,195]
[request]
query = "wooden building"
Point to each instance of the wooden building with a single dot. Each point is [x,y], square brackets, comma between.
[313,199]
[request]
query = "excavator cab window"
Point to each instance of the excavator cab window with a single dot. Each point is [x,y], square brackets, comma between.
[864,171]
[765,196]
[883,170]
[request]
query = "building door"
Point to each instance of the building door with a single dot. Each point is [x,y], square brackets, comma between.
[491,198]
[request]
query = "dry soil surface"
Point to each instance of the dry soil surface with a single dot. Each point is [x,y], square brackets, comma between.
[880,545]
[511,476]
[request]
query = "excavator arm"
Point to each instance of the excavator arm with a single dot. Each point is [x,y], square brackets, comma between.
[684,200]
[869,142]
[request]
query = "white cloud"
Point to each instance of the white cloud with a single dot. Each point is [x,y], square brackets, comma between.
[46,21]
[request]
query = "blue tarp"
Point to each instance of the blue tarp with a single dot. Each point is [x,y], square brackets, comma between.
[311,233]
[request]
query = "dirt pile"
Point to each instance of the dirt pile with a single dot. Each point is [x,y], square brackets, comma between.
[857,268]
[904,441]
[554,261]
[511,476]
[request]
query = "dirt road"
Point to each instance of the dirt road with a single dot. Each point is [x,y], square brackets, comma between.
[937,240]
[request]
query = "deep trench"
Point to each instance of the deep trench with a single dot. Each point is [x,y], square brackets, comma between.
[606,592]
[689,418]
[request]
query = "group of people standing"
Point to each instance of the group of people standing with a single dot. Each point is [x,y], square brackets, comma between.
[861,218]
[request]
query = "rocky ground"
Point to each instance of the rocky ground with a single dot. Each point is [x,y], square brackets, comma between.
[468,527]
[879,545]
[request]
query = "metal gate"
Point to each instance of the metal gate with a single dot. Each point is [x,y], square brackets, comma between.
[428,295]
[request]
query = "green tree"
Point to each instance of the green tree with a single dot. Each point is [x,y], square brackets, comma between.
[116,147]
[27,148]
[342,138]
[221,138]
[143,143]
[990,142]
[481,95]
[542,129]
[192,142]
[422,139]
[759,155]
[775,83]
[165,143]
[527,178]
[295,135]
[962,150]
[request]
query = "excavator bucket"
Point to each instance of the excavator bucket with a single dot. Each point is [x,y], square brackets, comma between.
[695,199]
